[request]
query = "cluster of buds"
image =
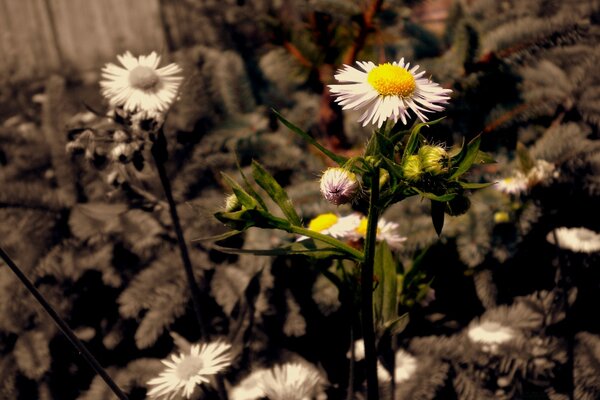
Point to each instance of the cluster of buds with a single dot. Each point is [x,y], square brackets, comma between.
[432,160]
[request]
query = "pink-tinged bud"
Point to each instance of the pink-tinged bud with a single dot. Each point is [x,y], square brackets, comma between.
[339,186]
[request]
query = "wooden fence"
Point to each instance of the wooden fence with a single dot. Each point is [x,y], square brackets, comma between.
[38,37]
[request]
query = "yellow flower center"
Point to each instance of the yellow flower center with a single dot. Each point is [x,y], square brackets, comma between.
[188,367]
[144,78]
[361,229]
[322,222]
[392,80]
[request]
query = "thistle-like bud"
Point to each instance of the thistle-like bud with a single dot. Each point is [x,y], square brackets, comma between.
[412,168]
[434,159]
[339,186]
[232,203]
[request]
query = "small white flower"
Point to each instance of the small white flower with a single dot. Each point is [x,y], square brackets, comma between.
[140,85]
[513,185]
[339,186]
[385,231]
[405,367]
[387,91]
[540,172]
[490,334]
[186,370]
[581,240]
[291,381]
[333,225]
[359,350]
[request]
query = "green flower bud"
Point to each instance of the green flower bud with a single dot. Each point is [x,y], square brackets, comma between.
[412,168]
[434,159]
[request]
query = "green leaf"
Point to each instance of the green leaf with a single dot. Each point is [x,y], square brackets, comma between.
[397,325]
[438,198]
[320,253]
[247,218]
[338,159]
[276,192]
[379,145]
[217,238]
[472,185]
[385,301]
[484,158]
[245,199]
[411,145]
[437,216]
[249,187]
[466,157]
[526,162]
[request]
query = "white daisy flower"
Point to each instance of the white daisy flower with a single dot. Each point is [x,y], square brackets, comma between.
[540,172]
[333,225]
[292,381]
[405,367]
[140,86]
[385,231]
[581,240]
[513,185]
[490,334]
[338,185]
[186,370]
[387,91]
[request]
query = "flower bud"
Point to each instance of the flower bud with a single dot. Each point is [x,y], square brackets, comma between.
[232,203]
[339,186]
[434,159]
[412,168]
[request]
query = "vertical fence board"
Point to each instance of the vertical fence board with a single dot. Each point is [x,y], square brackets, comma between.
[27,44]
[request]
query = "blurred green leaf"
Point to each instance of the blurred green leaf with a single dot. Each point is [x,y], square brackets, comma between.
[484,158]
[439,198]
[472,185]
[526,162]
[397,325]
[276,192]
[466,157]
[338,159]
[385,300]
[437,216]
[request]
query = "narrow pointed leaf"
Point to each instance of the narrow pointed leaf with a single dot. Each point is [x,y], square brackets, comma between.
[466,157]
[384,297]
[483,158]
[338,159]
[437,216]
[244,198]
[249,187]
[526,162]
[217,238]
[276,192]
[472,185]
[411,145]
[397,325]
[438,198]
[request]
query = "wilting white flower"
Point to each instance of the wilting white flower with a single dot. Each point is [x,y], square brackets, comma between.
[140,86]
[540,172]
[339,186]
[387,91]
[405,367]
[490,334]
[333,225]
[291,381]
[385,231]
[581,240]
[186,370]
[513,185]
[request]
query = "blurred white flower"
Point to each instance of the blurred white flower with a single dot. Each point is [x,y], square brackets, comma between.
[490,334]
[186,370]
[359,350]
[387,91]
[513,185]
[581,240]
[140,85]
[249,388]
[338,185]
[406,365]
[386,230]
[292,381]
[540,172]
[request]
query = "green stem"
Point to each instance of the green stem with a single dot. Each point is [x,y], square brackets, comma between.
[367,290]
[327,239]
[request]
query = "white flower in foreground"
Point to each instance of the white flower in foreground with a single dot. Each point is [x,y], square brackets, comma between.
[406,365]
[338,185]
[333,225]
[387,91]
[140,85]
[490,334]
[580,240]
[513,185]
[385,231]
[291,381]
[186,370]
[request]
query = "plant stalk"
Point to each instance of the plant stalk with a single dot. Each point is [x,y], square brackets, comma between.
[64,328]
[159,151]
[367,290]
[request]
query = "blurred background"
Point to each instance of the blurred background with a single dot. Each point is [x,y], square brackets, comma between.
[502,306]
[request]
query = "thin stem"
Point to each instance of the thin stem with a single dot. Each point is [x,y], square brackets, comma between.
[350,389]
[367,290]
[563,285]
[159,154]
[64,328]
[329,240]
